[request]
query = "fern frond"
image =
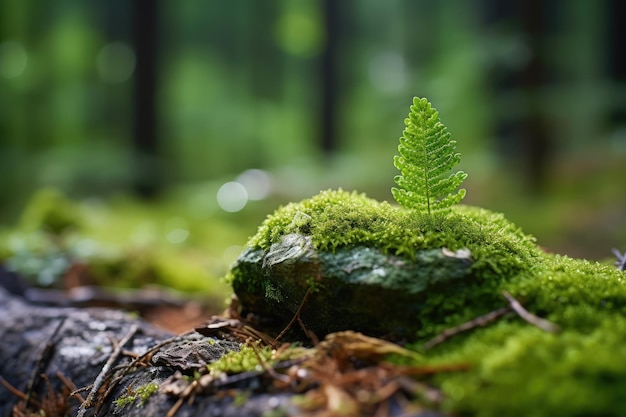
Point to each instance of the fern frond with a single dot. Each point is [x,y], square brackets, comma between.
[427,154]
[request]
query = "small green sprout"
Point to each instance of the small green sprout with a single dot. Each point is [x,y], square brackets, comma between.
[426,155]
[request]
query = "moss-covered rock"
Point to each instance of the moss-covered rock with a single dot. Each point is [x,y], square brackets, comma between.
[516,369]
[345,285]
[377,268]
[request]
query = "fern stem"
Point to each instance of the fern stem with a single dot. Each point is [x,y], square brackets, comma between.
[423,143]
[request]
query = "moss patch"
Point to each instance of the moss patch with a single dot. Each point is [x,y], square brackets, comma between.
[337,218]
[139,395]
[519,370]
[516,369]
[245,359]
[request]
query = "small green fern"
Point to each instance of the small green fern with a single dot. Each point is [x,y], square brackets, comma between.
[427,154]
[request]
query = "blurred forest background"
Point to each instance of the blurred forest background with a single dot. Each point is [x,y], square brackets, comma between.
[181,124]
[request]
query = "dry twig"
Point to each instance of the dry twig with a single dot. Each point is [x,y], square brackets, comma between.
[234,329]
[270,371]
[88,403]
[480,321]
[43,357]
[296,316]
[620,263]
[19,394]
[51,403]
[70,386]
[543,324]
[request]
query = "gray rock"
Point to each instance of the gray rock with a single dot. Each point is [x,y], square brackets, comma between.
[358,288]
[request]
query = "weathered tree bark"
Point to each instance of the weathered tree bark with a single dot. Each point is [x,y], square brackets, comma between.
[78,343]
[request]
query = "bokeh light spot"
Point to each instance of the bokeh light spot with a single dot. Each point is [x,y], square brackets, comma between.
[232,196]
[258,183]
[177,230]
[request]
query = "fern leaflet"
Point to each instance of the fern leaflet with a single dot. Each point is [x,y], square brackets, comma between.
[427,154]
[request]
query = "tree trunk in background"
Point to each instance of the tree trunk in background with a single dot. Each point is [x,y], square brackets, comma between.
[523,137]
[617,60]
[147,169]
[266,70]
[538,143]
[329,75]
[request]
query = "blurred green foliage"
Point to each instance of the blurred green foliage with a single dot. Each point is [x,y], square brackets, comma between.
[239,87]
[121,243]
[50,212]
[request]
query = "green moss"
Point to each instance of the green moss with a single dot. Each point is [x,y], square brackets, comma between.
[246,359]
[520,370]
[516,368]
[140,394]
[338,218]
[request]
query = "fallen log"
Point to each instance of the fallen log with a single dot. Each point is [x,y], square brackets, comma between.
[46,352]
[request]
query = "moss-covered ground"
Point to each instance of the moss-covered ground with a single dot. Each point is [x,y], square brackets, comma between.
[516,369]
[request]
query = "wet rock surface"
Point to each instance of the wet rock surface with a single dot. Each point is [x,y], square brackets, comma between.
[358,288]
[77,343]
